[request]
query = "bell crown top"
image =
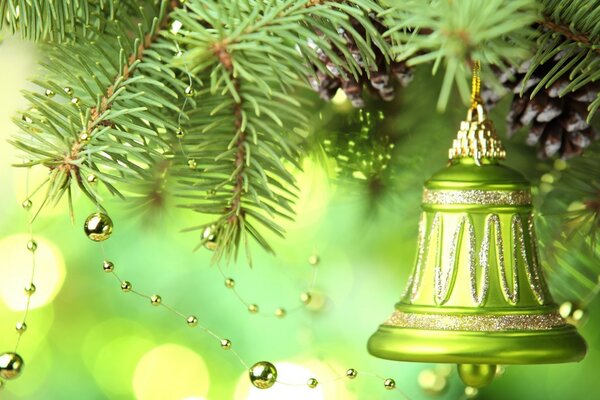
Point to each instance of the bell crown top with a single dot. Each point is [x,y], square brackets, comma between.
[476,138]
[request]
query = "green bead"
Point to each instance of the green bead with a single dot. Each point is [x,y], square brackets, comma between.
[476,375]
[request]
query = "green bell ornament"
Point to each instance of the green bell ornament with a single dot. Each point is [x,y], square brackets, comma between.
[477,295]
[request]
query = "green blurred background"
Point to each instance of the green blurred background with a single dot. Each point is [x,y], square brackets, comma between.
[88,340]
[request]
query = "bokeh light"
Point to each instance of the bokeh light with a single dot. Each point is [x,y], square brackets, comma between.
[170,372]
[16,270]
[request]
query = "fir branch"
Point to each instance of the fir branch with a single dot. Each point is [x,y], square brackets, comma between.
[566,39]
[109,127]
[243,137]
[56,20]
[494,32]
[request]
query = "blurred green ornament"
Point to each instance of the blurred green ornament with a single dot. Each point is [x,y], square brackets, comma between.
[98,227]
[432,382]
[477,296]
[11,365]
[263,375]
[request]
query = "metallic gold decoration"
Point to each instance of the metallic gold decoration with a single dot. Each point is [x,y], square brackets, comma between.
[476,375]
[263,375]
[192,163]
[179,133]
[92,178]
[98,227]
[314,260]
[210,237]
[312,383]
[225,344]
[280,312]
[476,322]
[21,327]
[253,308]
[351,373]
[75,101]
[477,296]
[305,297]
[30,289]
[572,312]
[389,384]
[126,286]
[192,320]
[189,91]
[11,365]
[32,245]
[108,266]
[229,283]
[477,197]
[26,204]
[155,300]
[49,93]
[68,91]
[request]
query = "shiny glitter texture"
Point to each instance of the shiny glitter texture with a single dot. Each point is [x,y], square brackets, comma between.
[477,197]
[446,269]
[476,323]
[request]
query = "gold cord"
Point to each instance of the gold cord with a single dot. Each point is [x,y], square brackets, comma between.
[476,85]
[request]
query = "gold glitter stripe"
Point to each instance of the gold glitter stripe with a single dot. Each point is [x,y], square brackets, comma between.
[477,197]
[476,323]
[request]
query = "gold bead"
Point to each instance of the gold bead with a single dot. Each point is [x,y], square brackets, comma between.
[280,312]
[572,312]
[11,365]
[49,93]
[25,118]
[210,237]
[305,297]
[75,101]
[179,133]
[108,266]
[263,375]
[32,245]
[229,283]
[155,300]
[68,91]
[314,260]
[351,373]
[471,392]
[21,326]
[192,321]
[98,227]
[26,204]
[84,137]
[389,384]
[192,163]
[225,344]
[126,286]
[189,91]
[253,308]
[312,383]
[30,289]
[92,178]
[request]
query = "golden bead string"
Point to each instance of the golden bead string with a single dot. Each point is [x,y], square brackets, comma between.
[256,371]
[11,363]
[280,312]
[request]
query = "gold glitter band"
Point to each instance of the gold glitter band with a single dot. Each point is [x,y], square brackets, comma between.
[477,197]
[476,323]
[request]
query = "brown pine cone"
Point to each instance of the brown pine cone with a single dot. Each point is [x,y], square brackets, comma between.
[379,81]
[557,124]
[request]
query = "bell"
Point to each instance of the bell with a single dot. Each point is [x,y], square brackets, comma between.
[477,295]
